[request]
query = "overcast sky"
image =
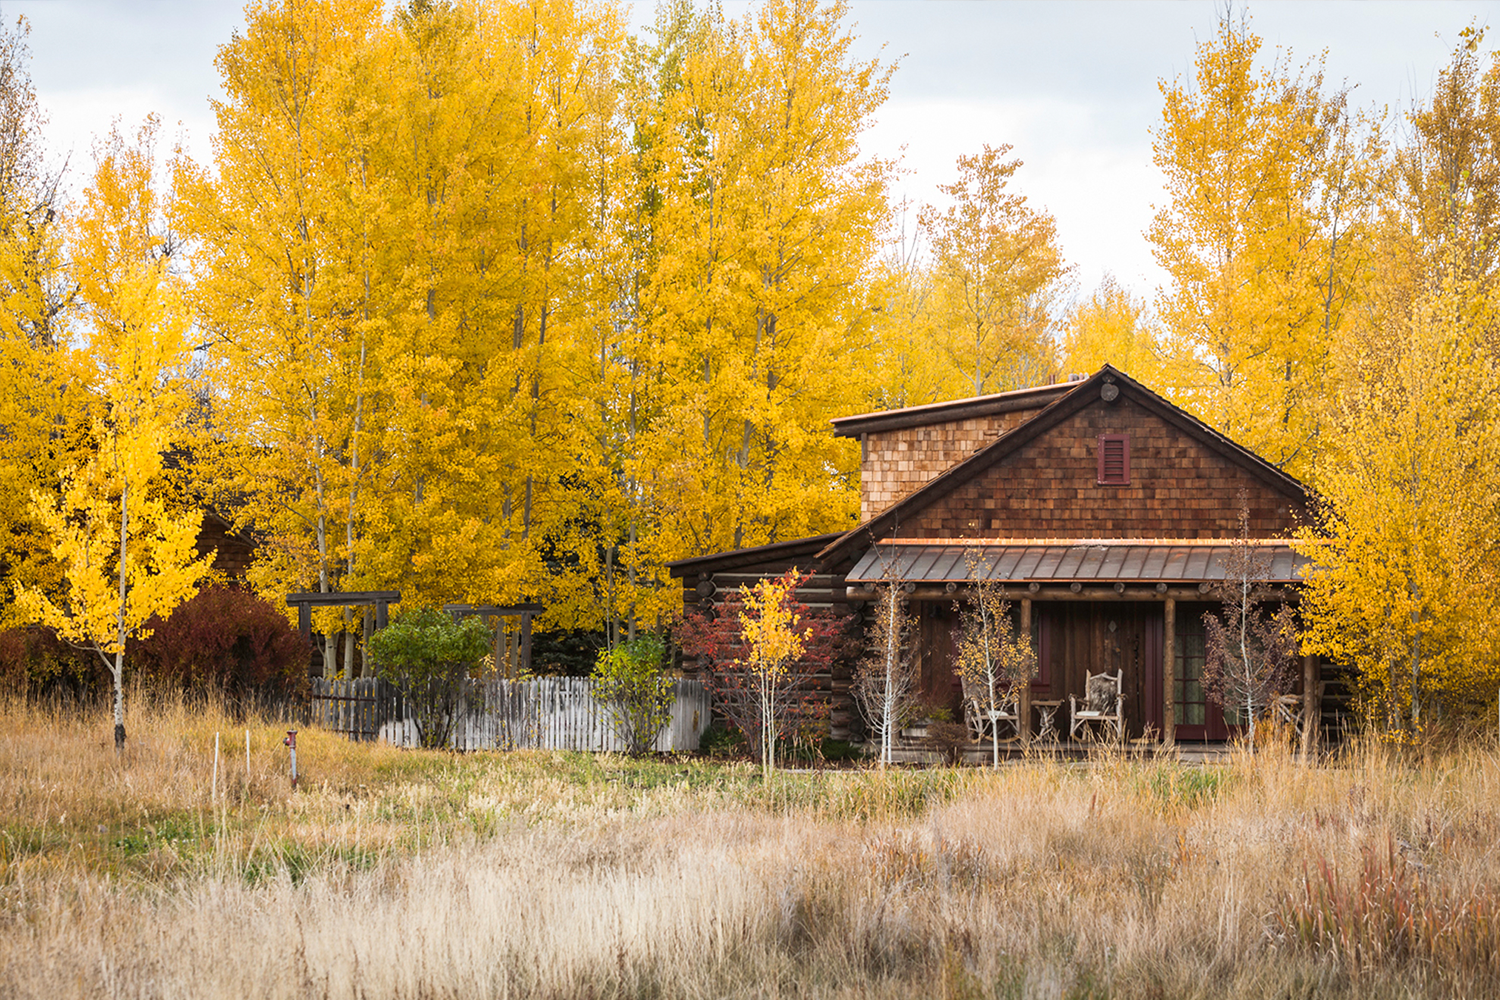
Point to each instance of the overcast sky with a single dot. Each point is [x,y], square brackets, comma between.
[1072,86]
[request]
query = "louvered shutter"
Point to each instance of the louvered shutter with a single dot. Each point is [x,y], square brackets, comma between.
[1114,459]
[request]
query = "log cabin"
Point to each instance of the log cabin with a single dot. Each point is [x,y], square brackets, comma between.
[1105,511]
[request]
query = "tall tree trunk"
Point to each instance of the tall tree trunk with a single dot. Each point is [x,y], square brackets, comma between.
[119,666]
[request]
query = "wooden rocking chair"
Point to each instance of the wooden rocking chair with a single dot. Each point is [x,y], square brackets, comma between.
[985,723]
[1103,706]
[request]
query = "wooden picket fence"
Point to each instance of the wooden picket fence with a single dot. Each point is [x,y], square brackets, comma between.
[547,713]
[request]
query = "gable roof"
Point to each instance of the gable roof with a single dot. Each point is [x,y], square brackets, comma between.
[1075,398]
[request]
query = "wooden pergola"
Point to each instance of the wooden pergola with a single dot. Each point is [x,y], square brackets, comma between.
[380,600]
[525,611]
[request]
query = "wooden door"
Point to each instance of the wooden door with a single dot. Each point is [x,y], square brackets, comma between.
[1199,717]
[940,683]
[1127,641]
[1074,639]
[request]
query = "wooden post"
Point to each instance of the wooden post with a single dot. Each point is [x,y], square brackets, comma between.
[1312,708]
[1169,674]
[1024,709]
[501,667]
[526,641]
[367,669]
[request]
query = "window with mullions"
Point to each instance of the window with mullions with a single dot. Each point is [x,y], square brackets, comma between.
[1192,703]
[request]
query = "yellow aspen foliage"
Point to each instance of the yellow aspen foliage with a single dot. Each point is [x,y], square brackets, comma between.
[904,365]
[395,258]
[44,401]
[1443,194]
[996,264]
[126,554]
[751,226]
[1263,240]
[281,288]
[1109,327]
[1404,546]
[489,301]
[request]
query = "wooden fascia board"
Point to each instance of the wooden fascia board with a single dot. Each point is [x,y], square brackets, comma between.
[853,427]
[735,558]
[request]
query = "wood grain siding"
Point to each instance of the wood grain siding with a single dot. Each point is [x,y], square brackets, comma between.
[1178,488]
[896,462]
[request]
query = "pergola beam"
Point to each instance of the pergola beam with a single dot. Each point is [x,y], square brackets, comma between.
[381,600]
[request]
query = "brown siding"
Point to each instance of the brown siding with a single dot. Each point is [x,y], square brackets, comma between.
[1179,488]
[897,462]
[232,554]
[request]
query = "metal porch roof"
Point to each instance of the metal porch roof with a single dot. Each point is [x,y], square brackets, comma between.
[1067,561]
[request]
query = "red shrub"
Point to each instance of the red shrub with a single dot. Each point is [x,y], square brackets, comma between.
[225,639]
[35,662]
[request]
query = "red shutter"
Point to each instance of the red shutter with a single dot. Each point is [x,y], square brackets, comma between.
[1114,459]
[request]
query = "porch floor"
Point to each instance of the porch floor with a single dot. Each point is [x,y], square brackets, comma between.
[1014,752]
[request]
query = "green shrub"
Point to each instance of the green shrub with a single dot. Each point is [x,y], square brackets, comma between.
[721,741]
[428,656]
[631,681]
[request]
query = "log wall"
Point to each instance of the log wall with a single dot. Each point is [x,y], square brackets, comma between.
[707,586]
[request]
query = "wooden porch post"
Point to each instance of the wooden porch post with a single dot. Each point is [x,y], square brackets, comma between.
[1169,674]
[1025,707]
[1312,708]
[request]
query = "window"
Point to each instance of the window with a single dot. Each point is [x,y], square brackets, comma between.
[1114,459]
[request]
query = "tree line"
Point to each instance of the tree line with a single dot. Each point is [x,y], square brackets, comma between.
[490,301]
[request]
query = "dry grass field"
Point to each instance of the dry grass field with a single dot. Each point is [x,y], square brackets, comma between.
[411,874]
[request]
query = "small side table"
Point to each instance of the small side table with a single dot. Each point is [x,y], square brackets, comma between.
[1046,713]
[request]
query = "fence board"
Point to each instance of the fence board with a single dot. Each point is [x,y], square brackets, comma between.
[549,713]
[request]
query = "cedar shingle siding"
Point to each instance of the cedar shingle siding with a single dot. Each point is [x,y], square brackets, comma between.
[1178,488]
[898,461]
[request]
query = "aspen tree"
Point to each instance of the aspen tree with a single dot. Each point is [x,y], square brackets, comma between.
[1109,327]
[126,554]
[44,403]
[763,222]
[1263,239]
[282,289]
[996,263]
[905,364]
[1403,580]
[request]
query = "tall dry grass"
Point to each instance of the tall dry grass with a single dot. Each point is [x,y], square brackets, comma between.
[413,874]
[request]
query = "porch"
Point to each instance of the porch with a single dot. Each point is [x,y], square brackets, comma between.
[1130,608]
